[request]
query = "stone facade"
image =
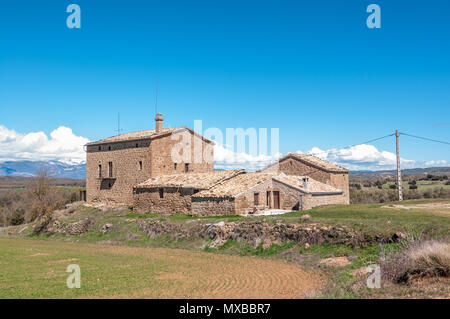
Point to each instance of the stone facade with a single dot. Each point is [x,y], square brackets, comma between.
[126,159]
[213,206]
[167,200]
[116,164]
[302,165]
[268,192]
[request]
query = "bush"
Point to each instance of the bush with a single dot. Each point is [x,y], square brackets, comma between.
[393,186]
[412,186]
[418,259]
[39,198]
[390,195]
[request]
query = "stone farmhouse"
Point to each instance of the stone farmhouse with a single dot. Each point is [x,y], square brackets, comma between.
[138,169]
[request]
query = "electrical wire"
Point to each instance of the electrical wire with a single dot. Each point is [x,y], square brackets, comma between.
[425,138]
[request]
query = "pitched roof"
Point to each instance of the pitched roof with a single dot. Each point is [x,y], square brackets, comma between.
[190,180]
[243,182]
[314,186]
[312,161]
[236,185]
[141,135]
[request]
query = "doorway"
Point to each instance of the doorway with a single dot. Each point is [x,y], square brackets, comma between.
[276,199]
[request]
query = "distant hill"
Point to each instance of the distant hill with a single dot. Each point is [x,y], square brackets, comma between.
[405,172]
[55,168]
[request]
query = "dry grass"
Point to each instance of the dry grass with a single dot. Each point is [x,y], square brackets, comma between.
[420,259]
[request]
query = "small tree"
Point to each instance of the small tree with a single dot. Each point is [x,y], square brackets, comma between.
[40,191]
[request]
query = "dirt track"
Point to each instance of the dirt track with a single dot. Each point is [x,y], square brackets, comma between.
[208,275]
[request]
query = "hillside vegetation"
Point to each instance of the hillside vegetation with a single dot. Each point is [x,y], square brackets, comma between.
[338,242]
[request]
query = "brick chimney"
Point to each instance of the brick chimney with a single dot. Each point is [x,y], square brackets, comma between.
[158,123]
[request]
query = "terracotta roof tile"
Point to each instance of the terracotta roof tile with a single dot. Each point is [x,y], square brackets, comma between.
[311,160]
[190,180]
[313,185]
[131,136]
[236,185]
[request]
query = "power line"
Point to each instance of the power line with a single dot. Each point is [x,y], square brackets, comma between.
[425,138]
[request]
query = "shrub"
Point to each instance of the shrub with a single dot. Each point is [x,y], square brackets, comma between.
[393,186]
[39,198]
[418,259]
[412,186]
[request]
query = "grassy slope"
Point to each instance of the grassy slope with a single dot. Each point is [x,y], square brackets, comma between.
[343,282]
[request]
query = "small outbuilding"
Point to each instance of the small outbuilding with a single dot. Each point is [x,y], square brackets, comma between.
[257,192]
[171,193]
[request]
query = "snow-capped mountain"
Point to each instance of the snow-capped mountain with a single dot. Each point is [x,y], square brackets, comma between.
[56,169]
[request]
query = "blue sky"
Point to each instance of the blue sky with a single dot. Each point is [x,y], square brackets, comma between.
[311,68]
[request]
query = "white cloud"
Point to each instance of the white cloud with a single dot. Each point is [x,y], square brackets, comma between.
[63,145]
[227,159]
[368,157]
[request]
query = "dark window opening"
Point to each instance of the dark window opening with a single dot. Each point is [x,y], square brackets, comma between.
[161,193]
[99,171]
[137,145]
[109,148]
[175,166]
[140,165]
[109,185]
[99,148]
[186,167]
[110,166]
[267,198]
[256,199]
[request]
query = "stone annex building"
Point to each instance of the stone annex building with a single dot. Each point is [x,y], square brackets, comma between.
[137,169]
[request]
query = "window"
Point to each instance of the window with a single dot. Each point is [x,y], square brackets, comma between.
[109,148]
[99,171]
[175,166]
[161,193]
[186,167]
[99,148]
[256,199]
[140,165]
[137,145]
[267,198]
[110,169]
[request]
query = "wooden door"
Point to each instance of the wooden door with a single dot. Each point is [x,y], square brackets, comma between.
[276,199]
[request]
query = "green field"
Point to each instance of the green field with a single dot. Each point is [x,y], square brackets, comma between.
[37,269]
[125,262]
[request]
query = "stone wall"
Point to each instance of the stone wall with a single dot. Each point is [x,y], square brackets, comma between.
[213,206]
[125,158]
[322,199]
[292,166]
[161,149]
[155,155]
[341,182]
[175,200]
[289,197]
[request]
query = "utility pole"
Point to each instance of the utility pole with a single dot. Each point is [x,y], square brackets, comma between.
[399,172]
